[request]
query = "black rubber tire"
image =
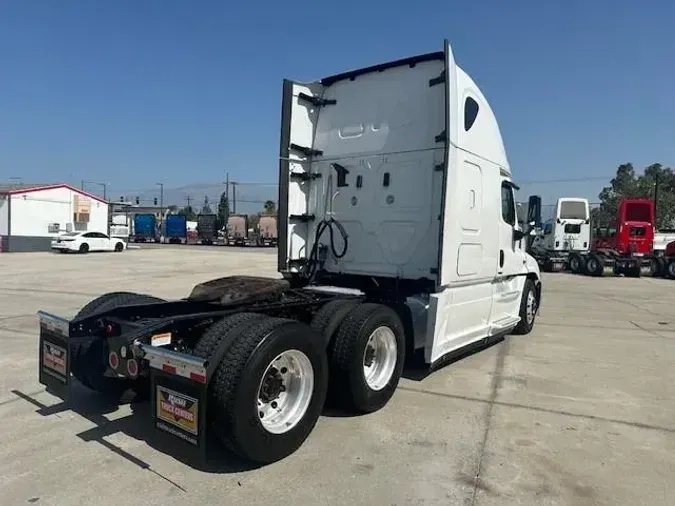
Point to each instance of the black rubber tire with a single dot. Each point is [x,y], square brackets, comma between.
[524,327]
[328,318]
[119,247]
[595,265]
[348,387]
[220,330]
[657,267]
[93,305]
[576,263]
[84,248]
[90,360]
[634,272]
[670,269]
[235,385]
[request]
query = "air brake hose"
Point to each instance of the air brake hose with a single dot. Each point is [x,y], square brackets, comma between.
[312,260]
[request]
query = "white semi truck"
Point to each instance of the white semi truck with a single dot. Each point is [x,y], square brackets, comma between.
[397,235]
[568,231]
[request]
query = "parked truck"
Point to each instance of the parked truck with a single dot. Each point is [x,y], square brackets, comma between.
[267,230]
[237,229]
[207,230]
[176,229]
[567,232]
[663,262]
[145,228]
[395,263]
[626,244]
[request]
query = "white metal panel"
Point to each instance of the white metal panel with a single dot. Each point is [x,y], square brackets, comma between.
[484,138]
[33,212]
[382,129]
[4,215]
[460,312]
[303,123]
[99,218]
[458,316]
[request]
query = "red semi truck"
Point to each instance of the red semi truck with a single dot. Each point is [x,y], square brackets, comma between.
[626,244]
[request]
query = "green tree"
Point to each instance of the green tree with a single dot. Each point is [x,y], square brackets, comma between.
[628,184]
[189,213]
[223,210]
[270,207]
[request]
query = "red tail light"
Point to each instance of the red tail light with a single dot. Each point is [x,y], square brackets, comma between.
[113,360]
[132,367]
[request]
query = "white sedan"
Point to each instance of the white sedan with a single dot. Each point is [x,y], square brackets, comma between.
[84,242]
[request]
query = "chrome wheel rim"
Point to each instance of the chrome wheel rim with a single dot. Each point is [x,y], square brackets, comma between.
[531,307]
[285,391]
[379,358]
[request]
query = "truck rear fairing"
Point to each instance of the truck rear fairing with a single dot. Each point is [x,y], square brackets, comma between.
[373,150]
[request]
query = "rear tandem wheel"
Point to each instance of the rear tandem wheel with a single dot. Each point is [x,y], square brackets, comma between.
[367,357]
[269,388]
[595,266]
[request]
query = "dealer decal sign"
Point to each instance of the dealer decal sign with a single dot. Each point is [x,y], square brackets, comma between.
[54,360]
[178,409]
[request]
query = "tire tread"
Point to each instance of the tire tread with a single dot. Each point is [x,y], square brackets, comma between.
[228,376]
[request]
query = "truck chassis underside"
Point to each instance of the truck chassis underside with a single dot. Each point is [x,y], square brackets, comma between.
[170,368]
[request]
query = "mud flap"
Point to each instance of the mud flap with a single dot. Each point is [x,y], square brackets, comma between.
[55,354]
[179,397]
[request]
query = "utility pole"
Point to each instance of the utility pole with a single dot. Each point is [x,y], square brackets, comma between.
[161,198]
[189,199]
[656,198]
[234,197]
[104,185]
[227,185]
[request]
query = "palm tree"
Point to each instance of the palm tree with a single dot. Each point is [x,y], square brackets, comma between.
[270,207]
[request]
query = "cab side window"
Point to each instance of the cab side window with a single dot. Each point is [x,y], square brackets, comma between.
[548,228]
[508,204]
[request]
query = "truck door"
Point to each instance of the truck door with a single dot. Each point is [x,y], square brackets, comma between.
[507,286]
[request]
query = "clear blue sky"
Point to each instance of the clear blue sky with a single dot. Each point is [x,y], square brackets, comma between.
[133,92]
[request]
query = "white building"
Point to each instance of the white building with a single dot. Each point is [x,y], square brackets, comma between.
[31,216]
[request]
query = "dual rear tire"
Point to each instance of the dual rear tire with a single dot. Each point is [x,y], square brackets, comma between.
[272,382]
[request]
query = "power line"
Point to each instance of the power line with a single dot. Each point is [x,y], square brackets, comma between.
[568,180]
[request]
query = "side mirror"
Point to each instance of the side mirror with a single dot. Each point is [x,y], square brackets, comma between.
[518,234]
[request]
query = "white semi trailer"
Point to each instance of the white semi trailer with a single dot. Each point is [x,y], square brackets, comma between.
[397,234]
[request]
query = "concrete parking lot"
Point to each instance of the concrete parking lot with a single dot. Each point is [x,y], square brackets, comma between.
[580,412]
